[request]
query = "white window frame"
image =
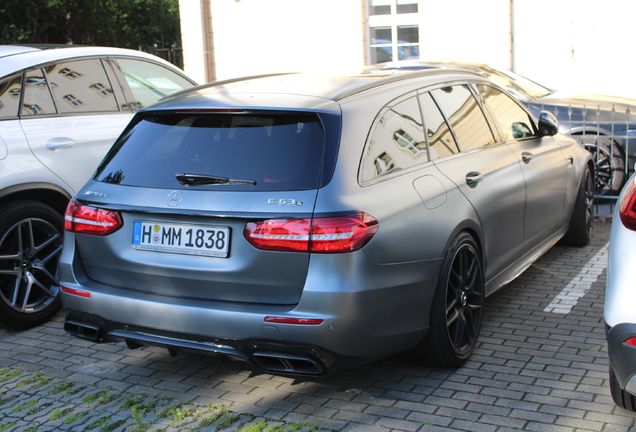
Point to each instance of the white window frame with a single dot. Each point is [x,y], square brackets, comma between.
[392,21]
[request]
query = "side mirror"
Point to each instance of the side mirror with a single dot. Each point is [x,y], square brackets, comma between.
[548,124]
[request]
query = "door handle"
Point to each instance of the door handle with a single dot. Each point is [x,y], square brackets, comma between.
[473,178]
[526,157]
[60,143]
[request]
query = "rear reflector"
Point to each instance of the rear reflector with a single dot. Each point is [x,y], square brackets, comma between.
[76,292]
[318,235]
[627,207]
[287,320]
[91,220]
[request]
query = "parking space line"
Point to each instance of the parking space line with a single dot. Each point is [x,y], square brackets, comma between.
[580,284]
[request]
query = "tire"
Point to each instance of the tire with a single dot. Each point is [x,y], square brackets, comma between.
[30,245]
[580,230]
[621,398]
[609,161]
[457,308]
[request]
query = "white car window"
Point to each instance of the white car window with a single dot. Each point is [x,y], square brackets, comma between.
[81,87]
[150,82]
[10,97]
[37,97]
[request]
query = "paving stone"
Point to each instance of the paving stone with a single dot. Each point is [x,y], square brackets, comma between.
[531,370]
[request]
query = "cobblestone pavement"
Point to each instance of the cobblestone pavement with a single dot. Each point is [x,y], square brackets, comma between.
[541,365]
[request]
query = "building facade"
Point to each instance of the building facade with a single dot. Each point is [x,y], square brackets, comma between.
[229,38]
[577,44]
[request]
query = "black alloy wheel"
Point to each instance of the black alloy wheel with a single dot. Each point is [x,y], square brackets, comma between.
[30,245]
[464,300]
[457,309]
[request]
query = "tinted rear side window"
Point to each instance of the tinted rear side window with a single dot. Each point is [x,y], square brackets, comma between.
[256,152]
[465,116]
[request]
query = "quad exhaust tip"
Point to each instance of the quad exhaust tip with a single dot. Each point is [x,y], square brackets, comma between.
[287,364]
[83,331]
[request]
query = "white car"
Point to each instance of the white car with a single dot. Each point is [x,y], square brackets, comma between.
[620,319]
[61,109]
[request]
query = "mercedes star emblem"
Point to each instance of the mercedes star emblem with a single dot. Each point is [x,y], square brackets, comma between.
[174,198]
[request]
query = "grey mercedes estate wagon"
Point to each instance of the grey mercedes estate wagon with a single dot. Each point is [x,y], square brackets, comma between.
[305,224]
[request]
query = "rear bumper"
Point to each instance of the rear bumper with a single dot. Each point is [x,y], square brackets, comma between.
[623,356]
[372,313]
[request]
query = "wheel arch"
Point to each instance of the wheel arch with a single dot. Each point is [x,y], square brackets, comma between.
[473,228]
[51,195]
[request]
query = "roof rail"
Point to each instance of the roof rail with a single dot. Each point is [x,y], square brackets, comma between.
[396,77]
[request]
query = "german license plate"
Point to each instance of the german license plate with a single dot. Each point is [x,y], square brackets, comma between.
[181,238]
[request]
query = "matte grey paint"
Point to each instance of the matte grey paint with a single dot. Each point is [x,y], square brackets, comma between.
[374,301]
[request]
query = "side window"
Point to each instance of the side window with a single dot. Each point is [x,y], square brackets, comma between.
[465,116]
[81,87]
[37,96]
[10,97]
[514,122]
[440,139]
[150,82]
[396,142]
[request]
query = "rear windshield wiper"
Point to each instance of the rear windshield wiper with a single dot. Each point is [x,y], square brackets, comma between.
[189,179]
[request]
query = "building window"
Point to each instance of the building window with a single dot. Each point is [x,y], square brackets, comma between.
[380,7]
[34,109]
[387,7]
[72,100]
[383,164]
[381,45]
[69,73]
[407,142]
[101,89]
[406,6]
[394,34]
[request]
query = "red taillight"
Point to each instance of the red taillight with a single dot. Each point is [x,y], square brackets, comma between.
[627,207]
[76,292]
[287,320]
[91,220]
[322,235]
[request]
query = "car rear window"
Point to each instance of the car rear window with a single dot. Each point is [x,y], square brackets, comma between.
[220,151]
